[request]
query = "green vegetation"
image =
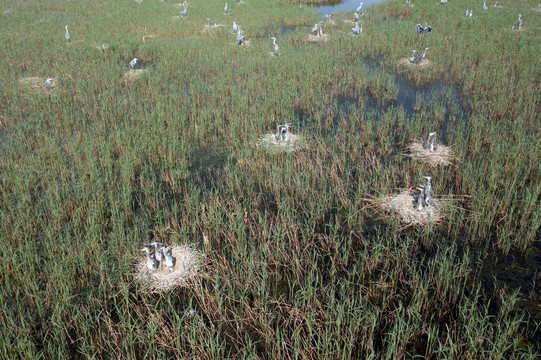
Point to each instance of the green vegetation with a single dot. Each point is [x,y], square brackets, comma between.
[298,265]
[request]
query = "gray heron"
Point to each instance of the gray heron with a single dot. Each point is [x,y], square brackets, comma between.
[183,12]
[314,30]
[48,83]
[158,253]
[170,260]
[275,46]
[133,62]
[235,27]
[360,7]
[240,37]
[68,39]
[485,7]
[428,193]
[433,143]
[152,263]
[357,30]
[421,198]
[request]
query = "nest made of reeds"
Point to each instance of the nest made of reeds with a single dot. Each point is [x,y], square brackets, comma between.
[133,74]
[443,156]
[403,206]
[407,62]
[189,262]
[295,143]
[314,38]
[35,84]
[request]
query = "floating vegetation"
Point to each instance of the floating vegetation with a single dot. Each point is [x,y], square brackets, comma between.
[189,262]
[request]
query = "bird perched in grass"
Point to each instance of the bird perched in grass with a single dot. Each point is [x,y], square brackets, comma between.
[275,46]
[48,83]
[133,62]
[240,37]
[357,30]
[227,10]
[183,12]
[68,39]
[152,263]
[235,27]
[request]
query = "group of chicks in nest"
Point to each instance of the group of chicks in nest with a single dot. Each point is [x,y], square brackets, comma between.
[161,254]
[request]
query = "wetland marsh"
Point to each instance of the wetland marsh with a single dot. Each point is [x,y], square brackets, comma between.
[298,264]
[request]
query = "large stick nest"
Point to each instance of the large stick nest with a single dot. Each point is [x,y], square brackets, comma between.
[187,268]
[403,205]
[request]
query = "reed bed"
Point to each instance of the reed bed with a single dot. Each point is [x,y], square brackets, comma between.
[302,265]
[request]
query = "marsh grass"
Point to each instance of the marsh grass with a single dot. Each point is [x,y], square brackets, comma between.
[301,265]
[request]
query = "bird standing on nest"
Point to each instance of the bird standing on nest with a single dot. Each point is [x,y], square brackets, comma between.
[48,83]
[357,30]
[420,198]
[152,263]
[133,62]
[428,193]
[170,260]
[158,253]
[240,37]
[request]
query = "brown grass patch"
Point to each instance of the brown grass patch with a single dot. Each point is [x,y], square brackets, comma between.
[187,268]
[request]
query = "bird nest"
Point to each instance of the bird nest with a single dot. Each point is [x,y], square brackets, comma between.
[406,62]
[150,37]
[403,205]
[35,84]
[102,47]
[189,262]
[315,39]
[295,143]
[133,74]
[443,156]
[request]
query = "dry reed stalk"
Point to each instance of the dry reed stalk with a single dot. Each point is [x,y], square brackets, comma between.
[187,267]
[443,156]
[295,143]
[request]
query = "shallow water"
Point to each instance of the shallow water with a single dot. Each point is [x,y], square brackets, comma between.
[346,5]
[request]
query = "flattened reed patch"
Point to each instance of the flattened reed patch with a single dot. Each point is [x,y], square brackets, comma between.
[295,143]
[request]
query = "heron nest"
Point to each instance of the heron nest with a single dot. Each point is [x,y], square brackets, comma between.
[295,143]
[406,62]
[35,84]
[315,39]
[187,267]
[403,205]
[443,156]
[150,37]
[133,74]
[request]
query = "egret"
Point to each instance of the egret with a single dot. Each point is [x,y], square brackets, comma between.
[152,263]
[133,62]
[421,198]
[235,27]
[183,12]
[485,7]
[68,39]
[357,30]
[48,83]
[314,30]
[360,7]
[158,253]
[170,260]
[240,37]
[275,46]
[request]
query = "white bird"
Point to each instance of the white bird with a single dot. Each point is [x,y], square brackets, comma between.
[158,253]
[240,37]
[68,39]
[183,12]
[412,58]
[133,62]
[357,30]
[275,46]
[48,83]
[421,198]
[235,27]
[152,263]
[433,143]
[226,9]
[443,2]
[424,53]
[356,16]
[360,7]
[426,144]
[485,7]
[429,194]
[170,260]
[314,30]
